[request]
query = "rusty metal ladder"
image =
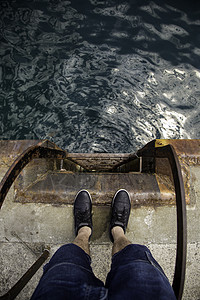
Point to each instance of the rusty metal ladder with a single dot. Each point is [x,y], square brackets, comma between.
[45,149]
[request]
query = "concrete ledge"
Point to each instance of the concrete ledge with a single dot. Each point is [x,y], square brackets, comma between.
[61,188]
[35,225]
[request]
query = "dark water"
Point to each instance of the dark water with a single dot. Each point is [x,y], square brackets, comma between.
[104,76]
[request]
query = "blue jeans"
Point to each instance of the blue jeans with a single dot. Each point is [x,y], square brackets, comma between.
[134,274]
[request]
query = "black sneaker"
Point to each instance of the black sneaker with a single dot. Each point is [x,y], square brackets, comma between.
[121,207]
[82,210]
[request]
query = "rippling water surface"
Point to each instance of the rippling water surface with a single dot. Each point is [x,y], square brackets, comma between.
[99,76]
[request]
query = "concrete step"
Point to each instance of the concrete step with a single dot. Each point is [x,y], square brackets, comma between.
[61,187]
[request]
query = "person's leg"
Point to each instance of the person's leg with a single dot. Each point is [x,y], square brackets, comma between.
[82,239]
[120,240]
[68,275]
[134,274]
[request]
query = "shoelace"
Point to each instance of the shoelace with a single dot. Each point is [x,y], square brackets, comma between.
[121,216]
[83,216]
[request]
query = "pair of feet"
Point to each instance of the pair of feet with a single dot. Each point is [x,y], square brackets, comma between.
[121,207]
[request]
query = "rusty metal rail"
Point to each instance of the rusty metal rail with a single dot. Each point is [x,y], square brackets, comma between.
[32,152]
[36,151]
[16,289]
[168,152]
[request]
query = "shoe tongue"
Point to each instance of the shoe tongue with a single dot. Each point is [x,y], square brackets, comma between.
[118,223]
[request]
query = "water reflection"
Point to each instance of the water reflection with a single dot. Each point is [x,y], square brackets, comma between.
[99,75]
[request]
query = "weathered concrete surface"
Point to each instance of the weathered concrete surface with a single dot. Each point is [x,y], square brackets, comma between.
[50,225]
[60,188]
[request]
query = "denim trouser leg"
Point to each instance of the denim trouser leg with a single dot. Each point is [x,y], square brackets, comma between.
[135,274]
[68,275]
